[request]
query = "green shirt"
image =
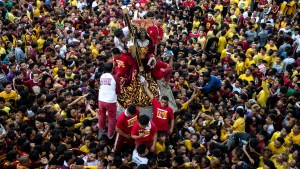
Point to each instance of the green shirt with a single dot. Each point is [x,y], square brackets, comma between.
[8,4]
[290,92]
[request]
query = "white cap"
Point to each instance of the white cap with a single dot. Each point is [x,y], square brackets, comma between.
[228,53]
[209,14]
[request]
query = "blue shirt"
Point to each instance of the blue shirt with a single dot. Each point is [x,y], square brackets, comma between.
[213,83]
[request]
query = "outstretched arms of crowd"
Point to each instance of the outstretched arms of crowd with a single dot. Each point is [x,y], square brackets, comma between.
[146,88]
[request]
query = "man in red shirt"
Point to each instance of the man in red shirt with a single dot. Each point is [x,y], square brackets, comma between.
[123,64]
[35,84]
[123,128]
[156,32]
[144,132]
[163,115]
[161,70]
[261,6]
[208,22]
[226,60]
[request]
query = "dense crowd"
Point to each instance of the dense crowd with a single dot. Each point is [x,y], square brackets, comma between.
[233,67]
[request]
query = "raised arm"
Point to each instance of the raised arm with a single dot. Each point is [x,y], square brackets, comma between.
[77,100]
[149,93]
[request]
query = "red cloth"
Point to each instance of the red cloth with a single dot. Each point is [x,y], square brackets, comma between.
[105,32]
[142,2]
[192,35]
[189,3]
[156,72]
[156,33]
[161,115]
[149,131]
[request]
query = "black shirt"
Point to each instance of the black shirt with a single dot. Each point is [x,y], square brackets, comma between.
[195,63]
[183,52]
[213,41]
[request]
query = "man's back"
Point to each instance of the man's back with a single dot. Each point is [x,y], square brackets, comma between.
[263,37]
[107,91]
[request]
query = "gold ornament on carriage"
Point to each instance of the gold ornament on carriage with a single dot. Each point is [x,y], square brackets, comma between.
[142,24]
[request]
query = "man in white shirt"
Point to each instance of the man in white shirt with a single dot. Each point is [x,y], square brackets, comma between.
[107,100]
[90,159]
[254,15]
[121,39]
[245,14]
[236,87]
[62,48]
[69,27]
[286,29]
[95,3]
[139,154]
[296,34]
[269,126]
[81,4]
[267,18]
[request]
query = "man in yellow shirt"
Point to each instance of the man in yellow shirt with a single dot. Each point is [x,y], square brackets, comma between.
[239,124]
[196,23]
[264,94]
[93,44]
[271,45]
[268,164]
[262,56]
[218,18]
[2,105]
[295,134]
[8,93]
[41,42]
[280,160]
[113,25]
[219,6]
[222,42]
[9,15]
[59,66]
[277,146]
[238,128]
[283,134]
[95,52]
[233,30]
[247,75]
